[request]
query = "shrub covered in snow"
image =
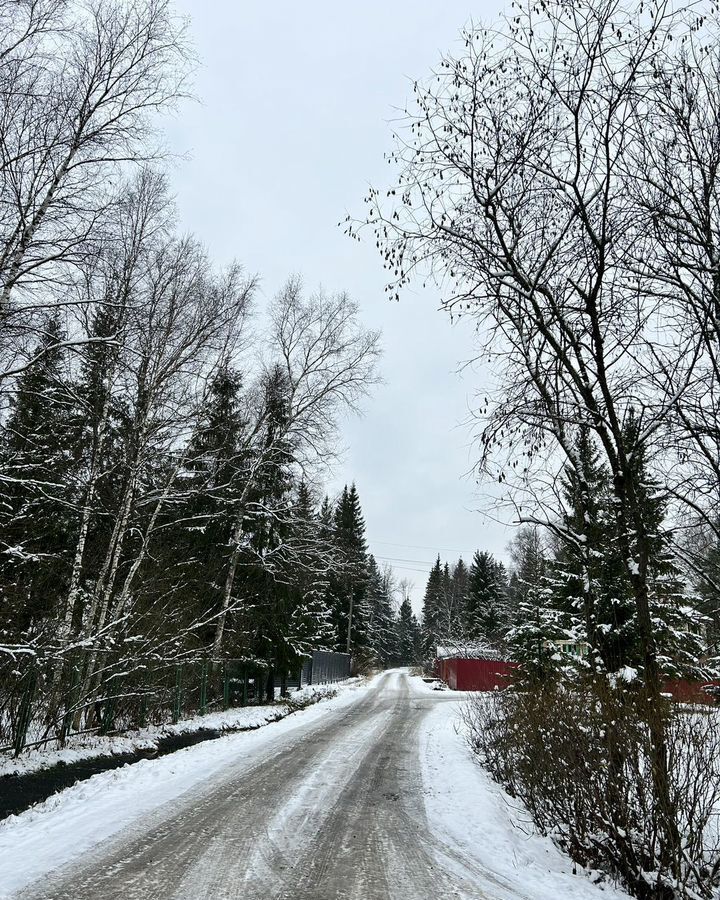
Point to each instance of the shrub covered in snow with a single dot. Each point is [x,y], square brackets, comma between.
[580,758]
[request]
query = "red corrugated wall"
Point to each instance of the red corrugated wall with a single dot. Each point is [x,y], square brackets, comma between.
[475,674]
[488,674]
[690,691]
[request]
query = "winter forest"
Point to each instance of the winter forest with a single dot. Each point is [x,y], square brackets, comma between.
[163,442]
[167,438]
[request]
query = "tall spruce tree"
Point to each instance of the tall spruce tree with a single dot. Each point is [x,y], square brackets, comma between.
[528,599]
[589,602]
[432,605]
[381,631]
[409,636]
[706,580]
[39,469]
[581,598]
[349,586]
[267,525]
[486,611]
[302,621]
[196,549]
[454,612]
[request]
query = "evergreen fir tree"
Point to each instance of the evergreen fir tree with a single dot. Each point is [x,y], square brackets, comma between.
[533,616]
[409,638]
[194,553]
[583,599]
[486,615]
[707,588]
[267,526]
[309,626]
[432,602]
[455,613]
[590,607]
[349,586]
[39,468]
[381,632]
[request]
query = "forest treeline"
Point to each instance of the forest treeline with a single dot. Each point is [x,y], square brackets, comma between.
[164,432]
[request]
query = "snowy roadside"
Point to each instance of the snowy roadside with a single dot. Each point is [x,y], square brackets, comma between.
[470,813]
[72,822]
[435,688]
[246,718]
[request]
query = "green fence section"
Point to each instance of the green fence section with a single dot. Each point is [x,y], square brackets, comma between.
[94,692]
[101,692]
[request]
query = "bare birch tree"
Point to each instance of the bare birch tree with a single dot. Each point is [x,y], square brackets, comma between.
[182,323]
[79,84]
[676,165]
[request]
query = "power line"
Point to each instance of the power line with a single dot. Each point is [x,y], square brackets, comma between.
[421,547]
[420,562]
[394,564]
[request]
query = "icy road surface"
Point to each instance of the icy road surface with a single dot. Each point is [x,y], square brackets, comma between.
[335,807]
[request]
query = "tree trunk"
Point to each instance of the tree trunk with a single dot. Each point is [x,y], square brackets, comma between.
[229,581]
[74,589]
[654,707]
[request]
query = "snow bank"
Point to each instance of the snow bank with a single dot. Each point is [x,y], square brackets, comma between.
[474,818]
[70,823]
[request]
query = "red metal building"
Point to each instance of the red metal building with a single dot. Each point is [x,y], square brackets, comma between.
[474,674]
[684,691]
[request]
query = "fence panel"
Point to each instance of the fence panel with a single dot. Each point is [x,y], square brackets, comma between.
[46,702]
[326,667]
[97,691]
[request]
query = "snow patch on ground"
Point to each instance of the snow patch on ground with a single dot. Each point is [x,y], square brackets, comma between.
[472,815]
[70,823]
[421,686]
[80,747]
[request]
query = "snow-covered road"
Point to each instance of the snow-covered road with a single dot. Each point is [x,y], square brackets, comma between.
[356,801]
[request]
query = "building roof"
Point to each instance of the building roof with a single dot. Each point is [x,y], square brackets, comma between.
[468,650]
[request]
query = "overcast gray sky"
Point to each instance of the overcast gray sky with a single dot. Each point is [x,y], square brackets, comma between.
[297,101]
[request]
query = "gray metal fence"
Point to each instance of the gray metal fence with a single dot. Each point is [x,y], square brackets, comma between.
[325,667]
